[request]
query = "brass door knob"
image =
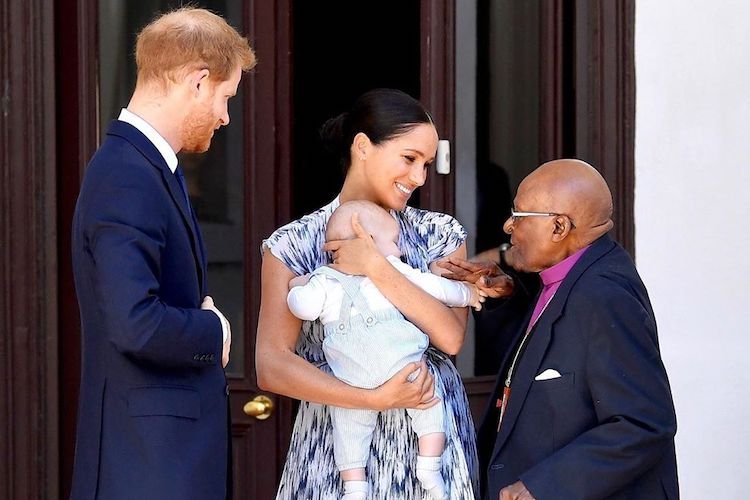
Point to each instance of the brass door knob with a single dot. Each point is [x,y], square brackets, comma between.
[260,407]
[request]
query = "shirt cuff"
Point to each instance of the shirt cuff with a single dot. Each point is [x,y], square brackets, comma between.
[224,325]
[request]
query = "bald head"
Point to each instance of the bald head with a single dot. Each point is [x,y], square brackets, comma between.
[571,207]
[574,188]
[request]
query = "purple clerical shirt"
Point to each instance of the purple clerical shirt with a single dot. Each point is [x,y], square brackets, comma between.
[552,278]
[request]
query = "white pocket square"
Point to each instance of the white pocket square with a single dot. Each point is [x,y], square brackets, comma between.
[548,374]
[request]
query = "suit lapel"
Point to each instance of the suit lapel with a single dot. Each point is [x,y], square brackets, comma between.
[526,369]
[489,418]
[539,340]
[149,151]
[202,268]
[173,186]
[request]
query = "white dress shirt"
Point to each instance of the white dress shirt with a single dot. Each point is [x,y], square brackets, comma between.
[152,135]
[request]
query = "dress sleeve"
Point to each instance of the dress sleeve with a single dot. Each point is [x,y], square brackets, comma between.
[299,244]
[445,234]
[427,236]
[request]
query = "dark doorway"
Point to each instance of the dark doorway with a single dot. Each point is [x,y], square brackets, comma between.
[340,50]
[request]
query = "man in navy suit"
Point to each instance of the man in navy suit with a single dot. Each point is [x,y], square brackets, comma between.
[582,408]
[153,421]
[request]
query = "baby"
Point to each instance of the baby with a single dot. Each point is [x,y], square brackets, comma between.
[367,340]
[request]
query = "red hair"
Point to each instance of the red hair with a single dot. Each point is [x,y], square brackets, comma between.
[189,39]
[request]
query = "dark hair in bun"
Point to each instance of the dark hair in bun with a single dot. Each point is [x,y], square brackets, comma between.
[380,114]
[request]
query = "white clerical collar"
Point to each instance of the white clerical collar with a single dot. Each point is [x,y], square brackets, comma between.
[152,135]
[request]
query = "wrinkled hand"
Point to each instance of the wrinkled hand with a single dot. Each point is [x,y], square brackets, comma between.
[486,275]
[208,305]
[465,270]
[356,256]
[516,491]
[401,392]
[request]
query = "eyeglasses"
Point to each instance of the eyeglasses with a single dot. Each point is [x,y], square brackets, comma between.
[515,215]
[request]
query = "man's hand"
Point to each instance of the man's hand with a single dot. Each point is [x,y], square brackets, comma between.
[486,275]
[516,491]
[208,304]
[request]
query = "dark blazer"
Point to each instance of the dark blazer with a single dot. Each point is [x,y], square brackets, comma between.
[498,320]
[152,420]
[605,428]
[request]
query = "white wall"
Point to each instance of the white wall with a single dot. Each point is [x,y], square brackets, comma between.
[692,218]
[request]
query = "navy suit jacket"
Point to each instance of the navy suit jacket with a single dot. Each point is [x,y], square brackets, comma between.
[605,428]
[152,420]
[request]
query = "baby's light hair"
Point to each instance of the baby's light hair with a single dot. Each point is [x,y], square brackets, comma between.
[372,217]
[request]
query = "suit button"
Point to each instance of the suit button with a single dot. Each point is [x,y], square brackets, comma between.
[196,358]
[226,389]
[211,358]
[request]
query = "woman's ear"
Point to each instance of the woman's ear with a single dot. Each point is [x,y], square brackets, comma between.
[361,146]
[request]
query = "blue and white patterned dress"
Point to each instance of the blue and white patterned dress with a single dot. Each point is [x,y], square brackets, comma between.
[310,472]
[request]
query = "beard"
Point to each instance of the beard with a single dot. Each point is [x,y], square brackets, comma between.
[516,260]
[198,129]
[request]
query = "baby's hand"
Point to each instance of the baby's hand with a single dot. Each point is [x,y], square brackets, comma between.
[478,296]
[299,281]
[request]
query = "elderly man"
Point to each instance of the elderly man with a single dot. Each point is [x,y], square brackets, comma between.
[582,407]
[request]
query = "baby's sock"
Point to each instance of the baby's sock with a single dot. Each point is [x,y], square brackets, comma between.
[428,473]
[355,490]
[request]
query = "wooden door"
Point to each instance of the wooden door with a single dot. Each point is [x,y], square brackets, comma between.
[595,56]
[260,160]
[259,445]
[232,188]
[553,79]
[307,73]
[315,59]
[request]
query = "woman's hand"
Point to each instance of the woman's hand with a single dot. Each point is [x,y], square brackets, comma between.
[400,392]
[358,256]
[486,275]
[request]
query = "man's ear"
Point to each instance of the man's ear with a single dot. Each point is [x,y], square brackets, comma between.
[561,228]
[198,79]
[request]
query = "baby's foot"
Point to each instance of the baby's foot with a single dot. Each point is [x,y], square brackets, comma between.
[355,490]
[428,474]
